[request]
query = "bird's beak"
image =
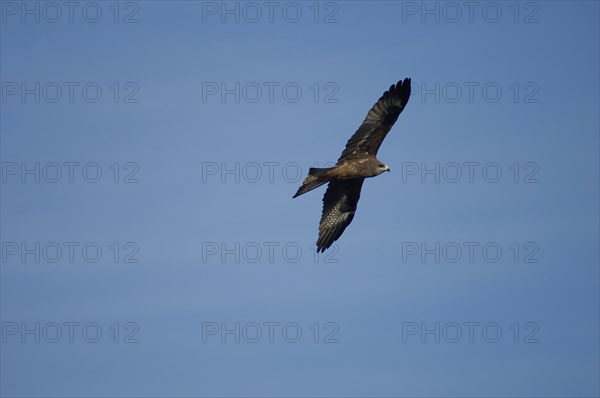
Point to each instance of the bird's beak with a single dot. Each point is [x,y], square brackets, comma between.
[387,169]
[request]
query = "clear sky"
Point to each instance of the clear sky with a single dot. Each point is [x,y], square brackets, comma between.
[150,245]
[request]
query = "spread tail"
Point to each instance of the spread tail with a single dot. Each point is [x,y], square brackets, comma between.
[316,177]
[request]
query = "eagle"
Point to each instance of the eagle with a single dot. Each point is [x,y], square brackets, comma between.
[357,162]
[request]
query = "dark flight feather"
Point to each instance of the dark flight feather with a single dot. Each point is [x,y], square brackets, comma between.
[378,122]
[339,206]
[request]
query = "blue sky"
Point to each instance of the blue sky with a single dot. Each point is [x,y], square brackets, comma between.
[151,247]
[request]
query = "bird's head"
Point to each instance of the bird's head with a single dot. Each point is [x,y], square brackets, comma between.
[381,167]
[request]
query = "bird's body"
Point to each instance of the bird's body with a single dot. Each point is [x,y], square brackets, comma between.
[357,162]
[367,166]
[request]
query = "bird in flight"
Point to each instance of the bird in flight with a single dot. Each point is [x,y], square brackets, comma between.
[357,162]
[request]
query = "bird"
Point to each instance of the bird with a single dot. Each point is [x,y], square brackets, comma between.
[357,162]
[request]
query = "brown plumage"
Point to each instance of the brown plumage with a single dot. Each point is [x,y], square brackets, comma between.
[357,162]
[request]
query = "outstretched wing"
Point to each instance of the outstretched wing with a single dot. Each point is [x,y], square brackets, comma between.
[339,206]
[380,119]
